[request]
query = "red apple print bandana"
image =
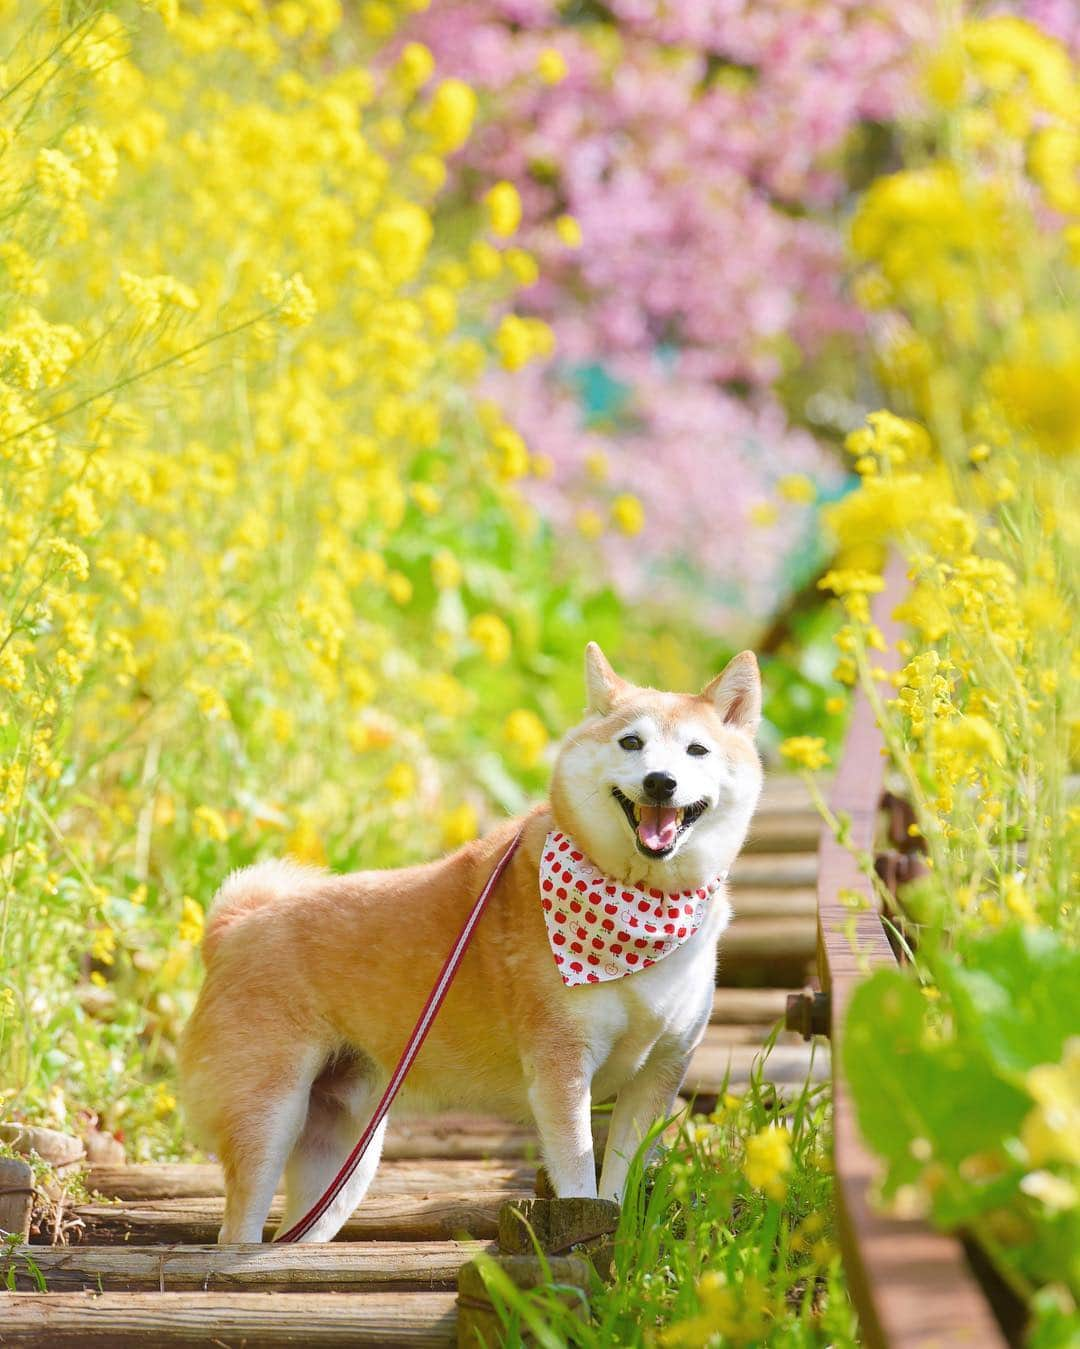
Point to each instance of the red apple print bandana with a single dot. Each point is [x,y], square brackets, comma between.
[601,930]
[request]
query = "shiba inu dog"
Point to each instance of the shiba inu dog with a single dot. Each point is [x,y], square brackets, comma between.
[589,976]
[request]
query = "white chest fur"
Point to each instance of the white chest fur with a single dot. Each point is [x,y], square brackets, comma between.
[664,1007]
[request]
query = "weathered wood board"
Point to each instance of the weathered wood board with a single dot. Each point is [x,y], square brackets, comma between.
[118,1320]
[328,1267]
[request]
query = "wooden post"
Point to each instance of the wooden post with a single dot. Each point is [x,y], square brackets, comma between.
[478,1323]
[16,1198]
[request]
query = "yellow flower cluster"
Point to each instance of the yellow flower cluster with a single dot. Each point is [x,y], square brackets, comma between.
[979,488]
[768,1160]
[805,751]
[1051,1132]
[739,1314]
[242,471]
[947,245]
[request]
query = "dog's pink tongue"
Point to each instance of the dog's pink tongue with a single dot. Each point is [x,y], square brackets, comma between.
[657,827]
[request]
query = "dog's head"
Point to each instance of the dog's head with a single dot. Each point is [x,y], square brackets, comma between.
[658,788]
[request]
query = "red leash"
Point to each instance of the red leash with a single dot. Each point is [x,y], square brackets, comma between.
[412,1048]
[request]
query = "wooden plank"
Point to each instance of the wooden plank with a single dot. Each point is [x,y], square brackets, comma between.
[745,1034]
[784,791]
[63,1320]
[292,1268]
[755,1006]
[788,938]
[788,1064]
[793,902]
[192,1180]
[457,1135]
[443,1217]
[466,1136]
[783,831]
[912,1286]
[774,870]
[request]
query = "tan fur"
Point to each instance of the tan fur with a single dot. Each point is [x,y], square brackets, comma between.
[313,983]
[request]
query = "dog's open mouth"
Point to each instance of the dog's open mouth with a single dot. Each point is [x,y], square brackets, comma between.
[658,828]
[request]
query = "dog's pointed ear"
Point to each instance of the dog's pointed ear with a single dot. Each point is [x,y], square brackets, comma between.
[602,684]
[736,692]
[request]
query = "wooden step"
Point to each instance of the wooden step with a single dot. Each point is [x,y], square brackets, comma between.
[718,1065]
[784,831]
[760,940]
[753,1006]
[774,871]
[74,1320]
[192,1180]
[445,1217]
[793,902]
[784,791]
[325,1267]
[459,1135]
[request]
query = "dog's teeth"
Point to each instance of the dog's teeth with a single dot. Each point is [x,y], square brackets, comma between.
[679,815]
[637,813]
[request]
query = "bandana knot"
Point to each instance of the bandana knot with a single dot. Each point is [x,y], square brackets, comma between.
[599,929]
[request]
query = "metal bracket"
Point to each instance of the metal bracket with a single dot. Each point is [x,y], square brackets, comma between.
[809,1013]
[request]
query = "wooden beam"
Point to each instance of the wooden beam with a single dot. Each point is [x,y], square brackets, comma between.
[467,1136]
[784,790]
[788,1064]
[755,1006]
[774,870]
[783,831]
[793,902]
[292,1268]
[760,940]
[458,1135]
[118,1320]
[192,1180]
[444,1217]
[912,1286]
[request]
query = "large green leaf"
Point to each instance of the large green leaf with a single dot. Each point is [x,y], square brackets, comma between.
[920,1096]
[1015,995]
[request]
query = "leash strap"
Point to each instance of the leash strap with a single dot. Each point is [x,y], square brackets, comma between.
[409,1053]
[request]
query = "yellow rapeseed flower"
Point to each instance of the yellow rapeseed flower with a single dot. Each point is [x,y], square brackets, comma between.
[628,513]
[806,751]
[551,66]
[797,487]
[569,231]
[446,570]
[503,204]
[400,781]
[450,115]
[492,636]
[768,1160]
[459,825]
[192,921]
[210,823]
[527,735]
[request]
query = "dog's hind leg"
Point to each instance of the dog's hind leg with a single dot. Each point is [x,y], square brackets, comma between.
[258,1130]
[342,1099]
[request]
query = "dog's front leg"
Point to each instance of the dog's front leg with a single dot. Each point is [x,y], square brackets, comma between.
[560,1096]
[647,1097]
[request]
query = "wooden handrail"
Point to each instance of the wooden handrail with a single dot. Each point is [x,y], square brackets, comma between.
[911,1286]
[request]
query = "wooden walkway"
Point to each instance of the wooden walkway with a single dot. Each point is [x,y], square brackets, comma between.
[146,1271]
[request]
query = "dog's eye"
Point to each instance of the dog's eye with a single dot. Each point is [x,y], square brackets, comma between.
[631,742]
[698,751]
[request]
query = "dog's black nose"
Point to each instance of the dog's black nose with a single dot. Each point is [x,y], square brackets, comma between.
[660,786]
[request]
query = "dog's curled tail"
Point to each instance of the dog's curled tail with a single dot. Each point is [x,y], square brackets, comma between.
[248,889]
